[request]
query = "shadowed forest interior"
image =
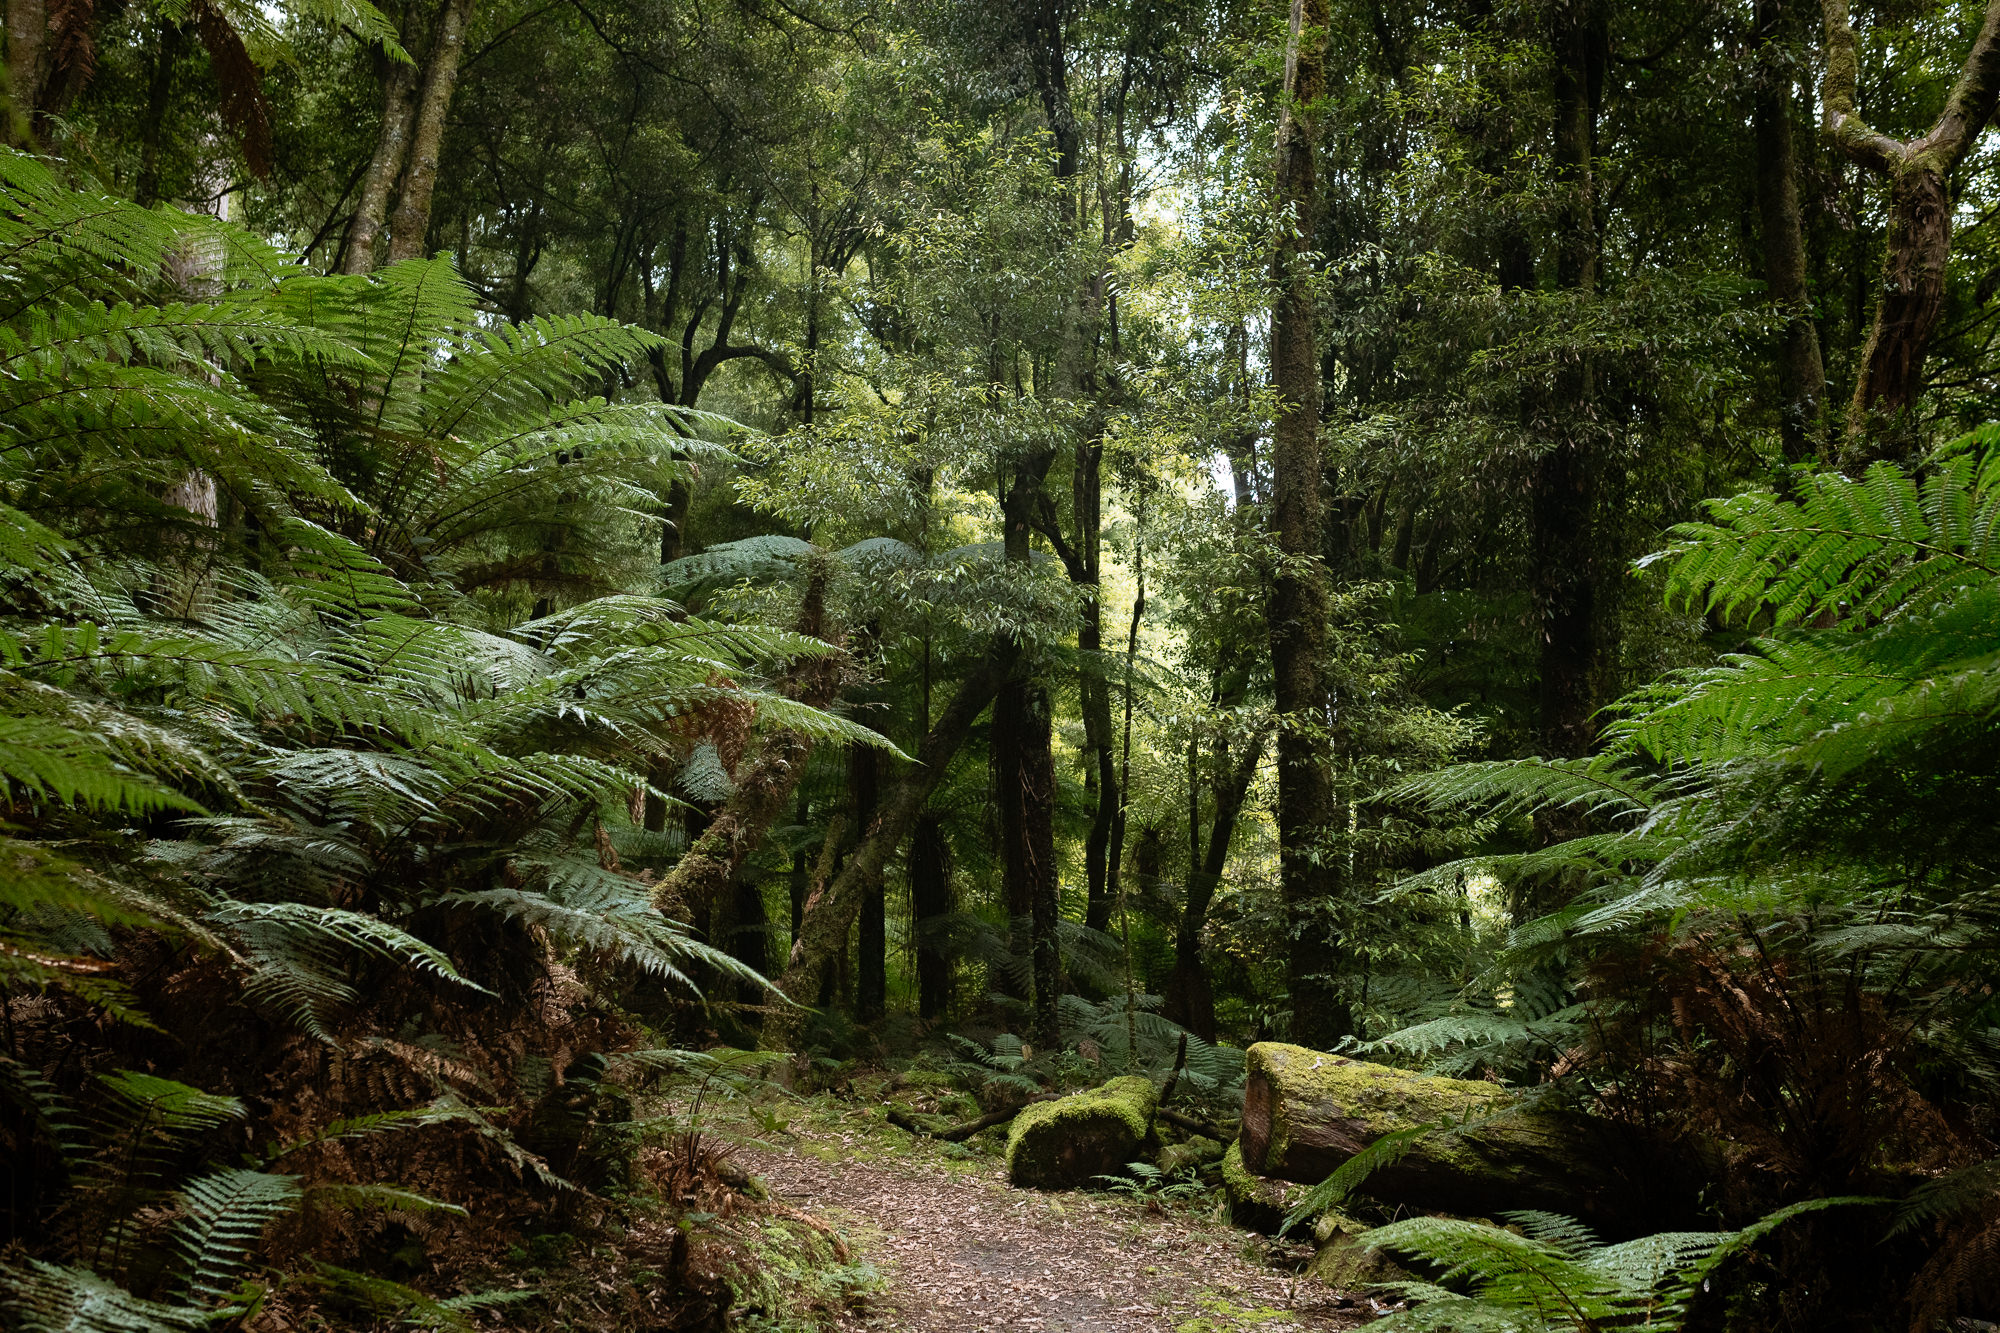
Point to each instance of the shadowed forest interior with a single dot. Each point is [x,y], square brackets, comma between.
[1372,625]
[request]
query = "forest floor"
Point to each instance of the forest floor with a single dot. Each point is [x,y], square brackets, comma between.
[952,1247]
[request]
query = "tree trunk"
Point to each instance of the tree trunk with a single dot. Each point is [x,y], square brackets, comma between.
[930,902]
[409,228]
[392,147]
[1801,374]
[712,862]
[1024,779]
[1094,692]
[871,990]
[1190,999]
[1306,1113]
[1564,489]
[1298,606]
[801,869]
[831,909]
[1916,249]
[159,94]
[749,940]
[1880,417]
[27,66]
[1022,736]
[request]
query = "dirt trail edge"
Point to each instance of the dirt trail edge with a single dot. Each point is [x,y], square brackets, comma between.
[959,1250]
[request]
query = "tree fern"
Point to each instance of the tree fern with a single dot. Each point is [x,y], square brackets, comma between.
[1548,1272]
[1859,551]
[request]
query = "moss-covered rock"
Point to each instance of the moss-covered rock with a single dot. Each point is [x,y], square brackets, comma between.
[1064,1143]
[1306,1112]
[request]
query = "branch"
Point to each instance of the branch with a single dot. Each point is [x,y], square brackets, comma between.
[828,917]
[1839,93]
[1971,103]
[1043,520]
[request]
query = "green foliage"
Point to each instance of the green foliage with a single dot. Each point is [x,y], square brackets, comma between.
[1547,1272]
[1146,1182]
[222,1217]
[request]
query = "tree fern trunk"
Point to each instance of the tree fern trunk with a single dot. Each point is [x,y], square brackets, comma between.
[871,990]
[1801,374]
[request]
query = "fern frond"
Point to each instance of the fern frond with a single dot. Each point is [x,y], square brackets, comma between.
[48,1298]
[223,1217]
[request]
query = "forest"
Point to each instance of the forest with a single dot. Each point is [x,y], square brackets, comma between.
[1046,665]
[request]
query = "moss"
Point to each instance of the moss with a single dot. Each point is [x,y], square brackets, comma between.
[1255,1201]
[1376,1098]
[1063,1143]
[1345,1261]
[1198,1151]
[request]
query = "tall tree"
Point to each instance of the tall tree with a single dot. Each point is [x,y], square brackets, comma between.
[415,106]
[1801,371]
[1564,496]
[1298,605]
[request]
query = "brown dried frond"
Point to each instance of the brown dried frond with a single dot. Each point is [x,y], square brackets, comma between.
[72,39]
[244,106]
[1795,1062]
[1962,1276]
[695,1171]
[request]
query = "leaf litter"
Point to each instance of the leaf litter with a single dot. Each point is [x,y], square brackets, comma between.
[961,1250]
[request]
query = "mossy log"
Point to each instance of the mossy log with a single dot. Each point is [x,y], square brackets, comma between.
[1198,1152]
[1306,1112]
[1256,1203]
[1064,1143]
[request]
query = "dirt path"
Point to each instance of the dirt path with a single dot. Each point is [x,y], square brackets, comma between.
[959,1251]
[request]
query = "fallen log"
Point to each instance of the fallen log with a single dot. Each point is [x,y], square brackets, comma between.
[1306,1113]
[1063,1143]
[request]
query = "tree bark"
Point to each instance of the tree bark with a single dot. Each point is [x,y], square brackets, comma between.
[1190,999]
[1801,372]
[930,901]
[830,911]
[1564,489]
[871,964]
[1094,692]
[159,93]
[712,862]
[1917,246]
[392,147]
[1298,606]
[1024,764]
[409,228]
[1024,778]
